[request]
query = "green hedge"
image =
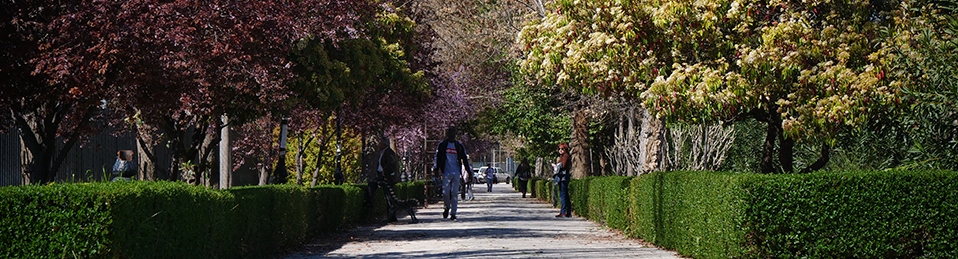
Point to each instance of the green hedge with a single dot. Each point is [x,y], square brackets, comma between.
[174,220]
[898,214]
[821,215]
[272,217]
[608,201]
[579,194]
[854,215]
[699,214]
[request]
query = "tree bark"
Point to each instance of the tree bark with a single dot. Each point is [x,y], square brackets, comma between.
[823,158]
[581,159]
[786,150]
[38,131]
[768,149]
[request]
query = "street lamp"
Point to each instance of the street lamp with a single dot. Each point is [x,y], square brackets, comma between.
[279,175]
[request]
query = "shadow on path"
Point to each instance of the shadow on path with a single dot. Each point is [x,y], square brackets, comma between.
[497,224]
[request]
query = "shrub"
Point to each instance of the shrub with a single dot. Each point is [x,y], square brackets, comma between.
[609,200]
[272,217]
[122,219]
[579,194]
[699,214]
[328,204]
[854,215]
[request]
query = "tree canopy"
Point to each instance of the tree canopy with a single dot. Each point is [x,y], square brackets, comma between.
[808,69]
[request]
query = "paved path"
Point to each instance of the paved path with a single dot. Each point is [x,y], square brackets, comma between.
[500,224]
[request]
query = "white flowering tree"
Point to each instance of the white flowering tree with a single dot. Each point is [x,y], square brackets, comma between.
[809,69]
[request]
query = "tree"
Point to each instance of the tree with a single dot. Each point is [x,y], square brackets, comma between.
[47,101]
[807,69]
[176,67]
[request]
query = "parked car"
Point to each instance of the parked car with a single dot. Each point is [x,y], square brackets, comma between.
[478,178]
[499,175]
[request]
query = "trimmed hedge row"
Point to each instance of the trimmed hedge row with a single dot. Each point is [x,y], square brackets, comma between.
[897,214]
[174,220]
[854,215]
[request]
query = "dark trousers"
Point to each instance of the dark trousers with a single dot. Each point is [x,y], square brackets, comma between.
[523,184]
[371,188]
[564,197]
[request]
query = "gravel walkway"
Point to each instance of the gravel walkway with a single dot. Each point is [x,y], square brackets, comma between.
[498,224]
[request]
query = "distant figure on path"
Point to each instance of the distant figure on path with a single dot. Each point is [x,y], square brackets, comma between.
[562,176]
[450,159]
[523,173]
[468,180]
[490,177]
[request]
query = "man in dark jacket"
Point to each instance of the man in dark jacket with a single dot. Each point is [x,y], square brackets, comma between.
[451,158]
[387,175]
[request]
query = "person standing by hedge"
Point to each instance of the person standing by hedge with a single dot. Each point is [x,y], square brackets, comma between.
[562,176]
[387,175]
[450,159]
[523,173]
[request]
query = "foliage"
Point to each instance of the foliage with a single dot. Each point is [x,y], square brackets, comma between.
[601,46]
[699,214]
[927,57]
[173,219]
[608,201]
[532,115]
[811,70]
[879,214]
[42,101]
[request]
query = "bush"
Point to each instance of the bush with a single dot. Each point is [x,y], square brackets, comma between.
[327,204]
[699,214]
[854,215]
[272,216]
[579,194]
[123,219]
[608,200]
[169,219]
[531,187]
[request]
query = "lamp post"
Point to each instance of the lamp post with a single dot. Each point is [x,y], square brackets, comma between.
[279,175]
[338,177]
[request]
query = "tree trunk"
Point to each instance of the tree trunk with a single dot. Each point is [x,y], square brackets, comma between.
[768,149]
[319,161]
[148,167]
[786,151]
[581,160]
[38,131]
[653,135]
[822,160]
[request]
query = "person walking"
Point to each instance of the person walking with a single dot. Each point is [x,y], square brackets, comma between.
[490,177]
[450,159]
[468,180]
[562,176]
[523,173]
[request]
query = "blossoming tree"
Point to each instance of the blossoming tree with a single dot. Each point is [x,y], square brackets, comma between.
[807,69]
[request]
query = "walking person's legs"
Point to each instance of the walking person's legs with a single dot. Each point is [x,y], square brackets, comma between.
[469,193]
[448,194]
[454,202]
[488,185]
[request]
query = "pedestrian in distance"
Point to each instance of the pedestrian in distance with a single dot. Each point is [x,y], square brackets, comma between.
[450,159]
[468,179]
[523,173]
[490,177]
[562,176]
